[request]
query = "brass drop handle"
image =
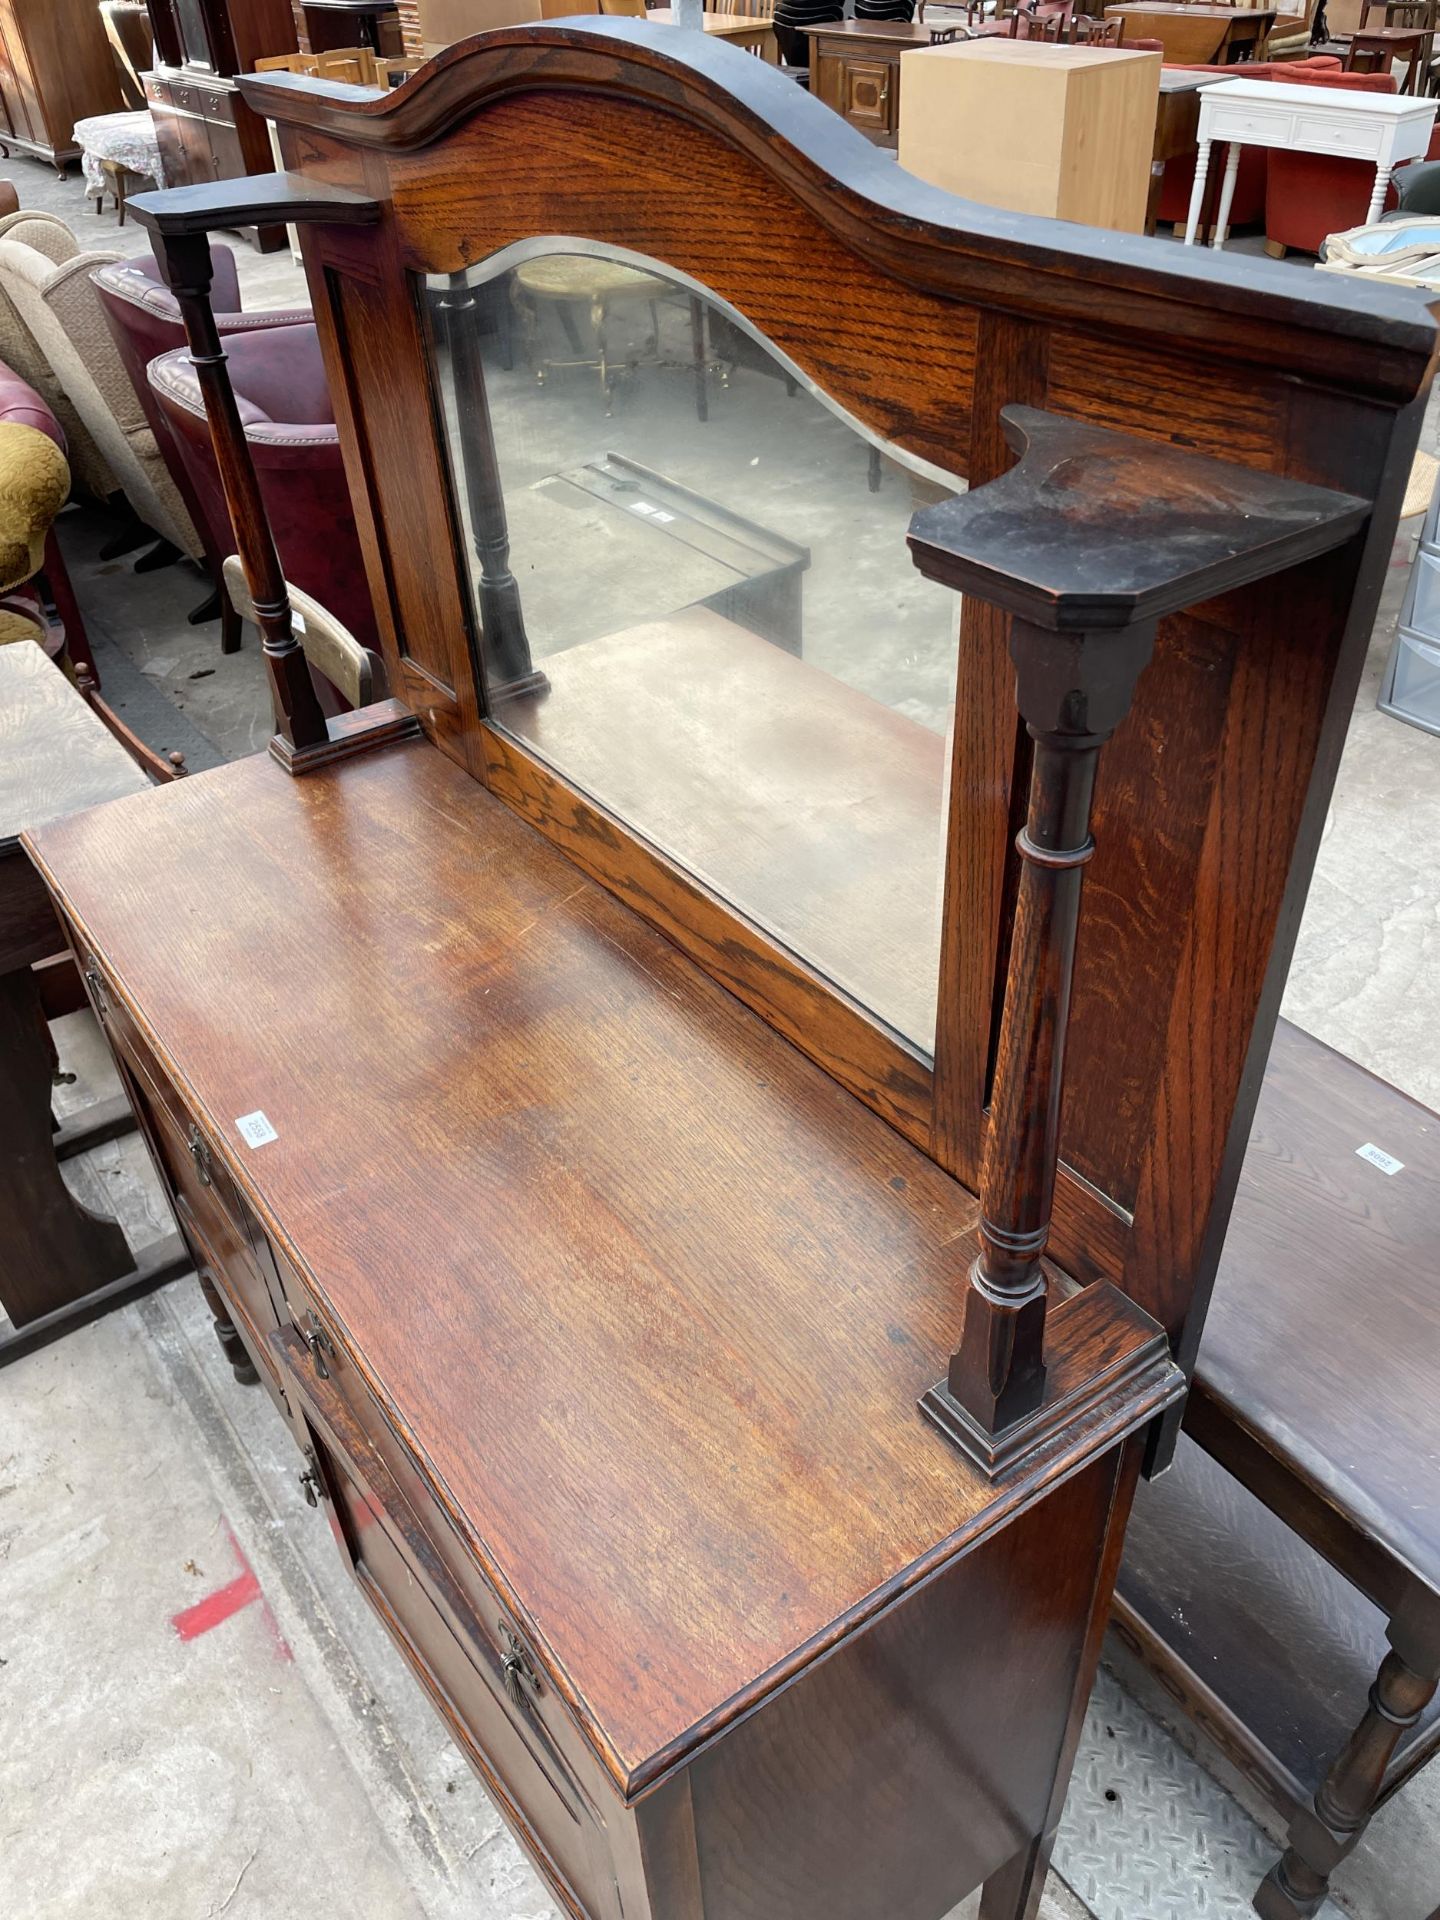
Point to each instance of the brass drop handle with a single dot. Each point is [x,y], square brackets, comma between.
[95,982]
[318,1341]
[200,1154]
[517,1669]
[310,1483]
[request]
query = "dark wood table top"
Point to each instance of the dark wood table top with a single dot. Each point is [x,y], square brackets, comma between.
[899,32]
[1323,1340]
[579,1210]
[55,755]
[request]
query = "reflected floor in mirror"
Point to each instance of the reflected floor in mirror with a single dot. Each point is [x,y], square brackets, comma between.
[708,568]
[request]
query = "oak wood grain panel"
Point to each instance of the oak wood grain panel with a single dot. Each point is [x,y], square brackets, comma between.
[1357,336]
[1303,645]
[378,357]
[1160,394]
[885,352]
[480,1128]
[988,769]
[1151,811]
[894,1732]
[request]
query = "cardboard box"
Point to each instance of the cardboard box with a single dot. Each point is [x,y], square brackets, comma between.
[1063,131]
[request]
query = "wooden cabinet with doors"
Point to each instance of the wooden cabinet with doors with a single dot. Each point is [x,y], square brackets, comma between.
[636,1152]
[855,68]
[205,129]
[56,67]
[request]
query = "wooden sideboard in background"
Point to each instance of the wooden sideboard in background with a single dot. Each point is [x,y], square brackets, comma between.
[56,67]
[205,129]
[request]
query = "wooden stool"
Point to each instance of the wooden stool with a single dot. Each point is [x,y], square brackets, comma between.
[1265,1575]
[570,280]
[64,1265]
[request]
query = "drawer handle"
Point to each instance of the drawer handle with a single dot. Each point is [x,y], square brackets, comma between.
[310,1480]
[200,1154]
[96,984]
[318,1341]
[522,1682]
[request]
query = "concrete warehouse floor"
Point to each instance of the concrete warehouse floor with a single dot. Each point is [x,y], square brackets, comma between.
[198,1713]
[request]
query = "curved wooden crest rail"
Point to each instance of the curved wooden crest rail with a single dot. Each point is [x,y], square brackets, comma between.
[1166,607]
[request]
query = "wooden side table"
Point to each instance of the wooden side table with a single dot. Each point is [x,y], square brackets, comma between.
[1382,128]
[63,1265]
[1196,35]
[1291,1560]
[1177,128]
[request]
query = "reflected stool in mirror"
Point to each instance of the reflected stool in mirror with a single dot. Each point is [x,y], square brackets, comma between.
[568,281]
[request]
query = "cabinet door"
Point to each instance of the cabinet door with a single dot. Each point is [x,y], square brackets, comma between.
[229,161]
[868,89]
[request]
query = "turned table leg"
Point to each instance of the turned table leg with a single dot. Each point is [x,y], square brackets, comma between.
[1227,194]
[1322,1836]
[1377,198]
[1197,192]
[56,1251]
[226,1332]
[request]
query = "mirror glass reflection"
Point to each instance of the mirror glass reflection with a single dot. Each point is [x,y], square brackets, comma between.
[696,603]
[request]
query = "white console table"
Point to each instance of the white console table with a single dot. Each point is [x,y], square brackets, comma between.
[1381,128]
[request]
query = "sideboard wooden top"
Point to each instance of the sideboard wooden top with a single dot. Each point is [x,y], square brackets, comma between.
[576,1212]
[56,756]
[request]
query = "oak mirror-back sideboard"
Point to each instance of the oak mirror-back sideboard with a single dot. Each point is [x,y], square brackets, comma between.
[712,1107]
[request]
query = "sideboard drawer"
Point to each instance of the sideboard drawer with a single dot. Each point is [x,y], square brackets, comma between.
[222,1231]
[1330,133]
[344,1393]
[1235,123]
[473,1663]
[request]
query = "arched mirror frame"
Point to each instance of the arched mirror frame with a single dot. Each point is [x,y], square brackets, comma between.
[1213,794]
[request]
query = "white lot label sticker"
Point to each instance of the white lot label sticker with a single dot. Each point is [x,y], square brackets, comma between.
[256,1130]
[1377,1156]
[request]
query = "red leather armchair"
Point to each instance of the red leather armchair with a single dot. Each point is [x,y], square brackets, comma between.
[144,318]
[280,388]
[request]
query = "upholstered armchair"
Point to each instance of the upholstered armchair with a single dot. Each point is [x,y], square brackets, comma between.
[49,235]
[279,380]
[55,299]
[144,321]
[34,485]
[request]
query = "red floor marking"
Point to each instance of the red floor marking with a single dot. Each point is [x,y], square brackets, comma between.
[218,1607]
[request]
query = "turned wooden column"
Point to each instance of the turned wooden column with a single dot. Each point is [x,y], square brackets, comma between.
[180,221]
[1088,542]
[1072,691]
[507,666]
[1323,1835]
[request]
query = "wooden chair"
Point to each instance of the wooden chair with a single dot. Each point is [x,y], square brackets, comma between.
[331,649]
[1048,20]
[1090,32]
[624,9]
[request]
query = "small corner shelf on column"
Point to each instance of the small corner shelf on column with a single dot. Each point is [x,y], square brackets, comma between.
[1087,542]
